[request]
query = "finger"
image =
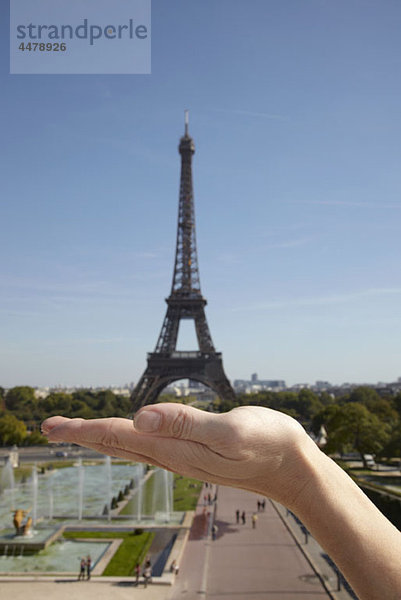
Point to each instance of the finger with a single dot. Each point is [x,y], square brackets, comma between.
[111,432]
[117,437]
[107,436]
[88,436]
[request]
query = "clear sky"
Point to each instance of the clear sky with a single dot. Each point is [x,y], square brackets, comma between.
[295,112]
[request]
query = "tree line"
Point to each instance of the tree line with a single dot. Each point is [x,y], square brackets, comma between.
[21,413]
[359,421]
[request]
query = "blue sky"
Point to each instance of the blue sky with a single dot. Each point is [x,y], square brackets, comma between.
[295,112]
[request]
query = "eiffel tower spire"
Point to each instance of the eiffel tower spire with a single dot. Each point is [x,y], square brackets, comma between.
[166,364]
[186,274]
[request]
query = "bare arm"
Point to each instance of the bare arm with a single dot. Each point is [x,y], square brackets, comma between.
[263,451]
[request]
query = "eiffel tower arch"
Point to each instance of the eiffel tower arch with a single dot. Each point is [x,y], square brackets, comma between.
[166,364]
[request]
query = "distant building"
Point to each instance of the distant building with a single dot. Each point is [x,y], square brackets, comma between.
[297,387]
[321,386]
[255,385]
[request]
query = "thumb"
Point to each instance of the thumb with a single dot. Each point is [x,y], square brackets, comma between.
[180,422]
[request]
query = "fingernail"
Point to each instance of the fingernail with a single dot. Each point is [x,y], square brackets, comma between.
[147,421]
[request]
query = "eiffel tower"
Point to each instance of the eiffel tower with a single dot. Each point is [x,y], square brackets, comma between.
[166,364]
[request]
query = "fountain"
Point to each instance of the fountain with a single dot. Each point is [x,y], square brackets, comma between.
[81,477]
[139,477]
[34,493]
[51,497]
[7,482]
[108,479]
[73,498]
[163,495]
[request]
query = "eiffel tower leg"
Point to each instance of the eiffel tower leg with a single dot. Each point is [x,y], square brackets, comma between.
[146,391]
[216,379]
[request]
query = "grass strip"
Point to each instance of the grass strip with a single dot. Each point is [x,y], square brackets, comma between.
[133,549]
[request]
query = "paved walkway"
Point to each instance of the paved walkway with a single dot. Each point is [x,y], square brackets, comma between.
[245,563]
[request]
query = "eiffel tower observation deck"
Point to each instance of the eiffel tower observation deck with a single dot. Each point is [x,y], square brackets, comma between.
[166,364]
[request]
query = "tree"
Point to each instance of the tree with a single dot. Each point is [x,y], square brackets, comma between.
[364,395]
[12,431]
[18,397]
[381,407]
[353,427]
[309,404]
[56,403]
[35,439]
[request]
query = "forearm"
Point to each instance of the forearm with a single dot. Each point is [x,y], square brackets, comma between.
[362,542]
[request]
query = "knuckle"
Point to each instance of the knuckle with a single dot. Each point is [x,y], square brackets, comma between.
[181,425]
[109,438]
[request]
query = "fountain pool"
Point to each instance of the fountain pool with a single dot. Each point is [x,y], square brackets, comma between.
[71,493]
[60,557]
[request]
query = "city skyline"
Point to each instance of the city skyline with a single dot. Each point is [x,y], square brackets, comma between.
[294,110]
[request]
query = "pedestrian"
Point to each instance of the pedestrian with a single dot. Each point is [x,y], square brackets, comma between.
[82,567]
[215,529]
[263,504]
[254,519]
[237,515]
[174,568]
[147,574]
[88,567]
[209,499]
[243,517]
[137,572]
[259,505]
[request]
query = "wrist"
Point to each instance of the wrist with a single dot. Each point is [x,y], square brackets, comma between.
[305,465]
[292,480]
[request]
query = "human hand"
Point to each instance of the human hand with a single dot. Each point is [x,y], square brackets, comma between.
[250,447]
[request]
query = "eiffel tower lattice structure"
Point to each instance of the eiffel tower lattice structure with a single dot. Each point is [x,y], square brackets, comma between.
[166,364]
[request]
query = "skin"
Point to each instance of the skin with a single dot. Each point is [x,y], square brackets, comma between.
[266,452]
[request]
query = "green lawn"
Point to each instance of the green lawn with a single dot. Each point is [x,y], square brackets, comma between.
[186,492]
[133,549]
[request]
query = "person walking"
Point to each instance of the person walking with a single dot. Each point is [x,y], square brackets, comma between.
[147,574]
[215,530]
[243,517]
[88,567]
[137,572]
[82,566]
[237,515]
[254,519]
[174,568]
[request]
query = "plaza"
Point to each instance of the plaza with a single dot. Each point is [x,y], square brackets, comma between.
[270,561]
